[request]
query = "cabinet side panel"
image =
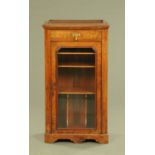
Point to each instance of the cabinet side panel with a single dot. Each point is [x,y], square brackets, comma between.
[53,50]
[104,80]
[48,107]
[98,88]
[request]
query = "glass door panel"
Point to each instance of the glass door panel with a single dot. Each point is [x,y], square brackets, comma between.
[76,88]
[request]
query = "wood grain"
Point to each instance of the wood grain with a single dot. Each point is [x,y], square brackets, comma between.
[67,35]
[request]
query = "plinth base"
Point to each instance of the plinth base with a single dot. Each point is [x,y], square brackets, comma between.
[77,138]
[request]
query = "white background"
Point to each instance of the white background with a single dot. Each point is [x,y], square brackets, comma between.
[14,77]
[140,77]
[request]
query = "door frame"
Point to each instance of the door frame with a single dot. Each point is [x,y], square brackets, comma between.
[54,47]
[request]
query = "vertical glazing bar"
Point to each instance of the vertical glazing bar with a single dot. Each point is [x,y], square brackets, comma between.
[85,102]
[67,109]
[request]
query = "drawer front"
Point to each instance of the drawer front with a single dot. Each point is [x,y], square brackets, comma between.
[74,35]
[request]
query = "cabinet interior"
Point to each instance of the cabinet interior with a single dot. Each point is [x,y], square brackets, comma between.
[76,88]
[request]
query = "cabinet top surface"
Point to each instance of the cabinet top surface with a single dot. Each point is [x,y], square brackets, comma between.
[76,24]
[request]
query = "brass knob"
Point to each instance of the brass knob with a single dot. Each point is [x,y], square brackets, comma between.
[76,35]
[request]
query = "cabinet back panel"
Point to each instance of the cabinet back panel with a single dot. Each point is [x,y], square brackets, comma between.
[76,111]
[79,79]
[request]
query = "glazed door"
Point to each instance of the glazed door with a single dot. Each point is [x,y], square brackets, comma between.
[76,87]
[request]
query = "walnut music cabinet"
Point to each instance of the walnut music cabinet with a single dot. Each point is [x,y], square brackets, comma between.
[76,80]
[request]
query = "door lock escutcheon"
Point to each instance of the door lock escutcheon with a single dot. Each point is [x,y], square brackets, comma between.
[76,35]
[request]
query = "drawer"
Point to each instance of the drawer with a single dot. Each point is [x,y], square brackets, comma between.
[75,35]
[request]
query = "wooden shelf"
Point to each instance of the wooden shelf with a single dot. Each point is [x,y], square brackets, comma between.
[76,53]
[76,92]
[76,66]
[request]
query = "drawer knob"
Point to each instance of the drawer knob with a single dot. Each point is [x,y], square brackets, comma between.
[76,35]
